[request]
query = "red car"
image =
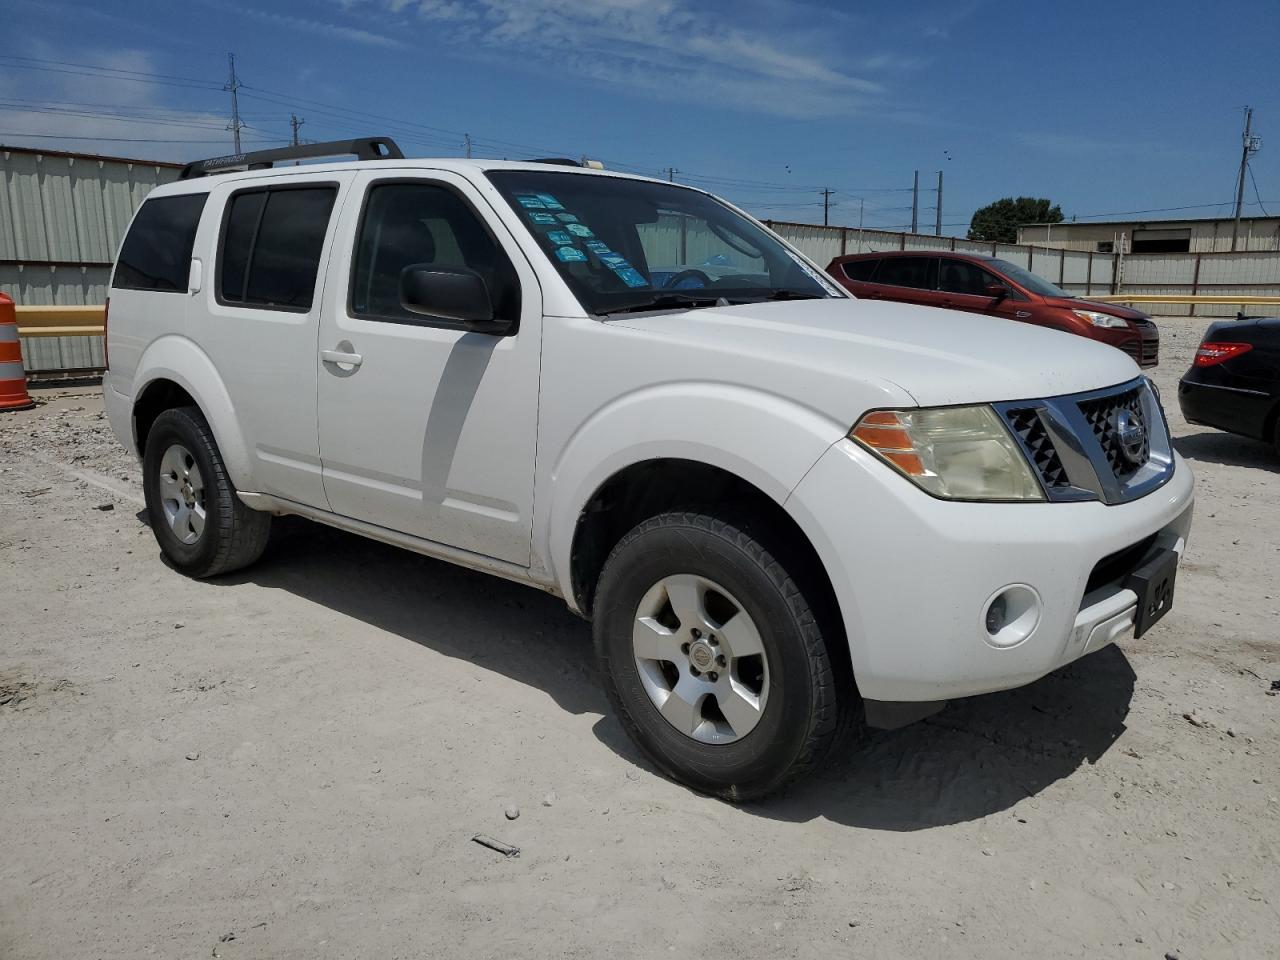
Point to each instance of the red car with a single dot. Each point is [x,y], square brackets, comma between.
[962,281]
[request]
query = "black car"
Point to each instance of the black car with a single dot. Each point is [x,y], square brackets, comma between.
[1234,381]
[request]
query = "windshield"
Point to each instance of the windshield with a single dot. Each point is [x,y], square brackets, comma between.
[1027,279]
[625,245]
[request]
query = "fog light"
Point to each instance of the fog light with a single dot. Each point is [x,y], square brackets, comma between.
[1011,615]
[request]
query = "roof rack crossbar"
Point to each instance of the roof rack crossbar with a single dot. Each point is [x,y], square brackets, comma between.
[364,148]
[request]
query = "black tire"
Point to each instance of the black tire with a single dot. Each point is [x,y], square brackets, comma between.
[811,696]
[233,535]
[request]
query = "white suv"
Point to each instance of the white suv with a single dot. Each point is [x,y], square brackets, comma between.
[782,509]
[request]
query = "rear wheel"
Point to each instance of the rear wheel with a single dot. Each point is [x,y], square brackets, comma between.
[713,657]
[202,527]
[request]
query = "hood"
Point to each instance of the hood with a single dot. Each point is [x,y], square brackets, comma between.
[1115,309]
[936,356]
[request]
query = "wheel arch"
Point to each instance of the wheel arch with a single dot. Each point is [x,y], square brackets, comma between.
[649,487]
[174,372]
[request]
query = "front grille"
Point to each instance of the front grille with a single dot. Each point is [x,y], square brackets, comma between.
[1145,353]
[1029,428]
[1101,416]
[1073,442]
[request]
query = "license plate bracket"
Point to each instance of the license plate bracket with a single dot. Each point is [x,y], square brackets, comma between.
[1153,583]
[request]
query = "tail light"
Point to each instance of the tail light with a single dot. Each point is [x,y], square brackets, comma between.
[1211,354]
[106,357]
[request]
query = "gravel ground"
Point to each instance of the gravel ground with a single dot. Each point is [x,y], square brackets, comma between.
[292,761]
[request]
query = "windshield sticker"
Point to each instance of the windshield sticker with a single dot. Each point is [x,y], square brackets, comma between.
[614,262]
[550,202]
[530,202]
[814,274]
[571,255]
[579,230]
[631,277]
[566,218]
[559,237]
[597,246]
[542,218]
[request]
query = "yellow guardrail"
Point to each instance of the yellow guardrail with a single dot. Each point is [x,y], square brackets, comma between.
[42,321]
[1242,299]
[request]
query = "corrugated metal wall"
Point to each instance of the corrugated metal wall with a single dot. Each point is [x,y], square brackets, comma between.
[62,217]
[1255,273]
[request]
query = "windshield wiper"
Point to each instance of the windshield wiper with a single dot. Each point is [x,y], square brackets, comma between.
[667,301]
[785,294]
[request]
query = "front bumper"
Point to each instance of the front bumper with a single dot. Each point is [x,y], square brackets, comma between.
[913,574]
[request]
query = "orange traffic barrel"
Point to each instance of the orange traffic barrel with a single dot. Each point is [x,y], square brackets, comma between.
[13,379]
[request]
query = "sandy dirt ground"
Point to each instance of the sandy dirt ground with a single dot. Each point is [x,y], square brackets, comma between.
[292,761]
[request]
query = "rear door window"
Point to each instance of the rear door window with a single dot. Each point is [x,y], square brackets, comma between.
[271,246]
[919,273]
[156,255]
[860,270]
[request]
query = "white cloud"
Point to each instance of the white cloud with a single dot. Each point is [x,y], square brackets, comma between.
[670,49]
[324,28]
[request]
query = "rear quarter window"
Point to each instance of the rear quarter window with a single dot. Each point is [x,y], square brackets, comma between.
[156,254]
[860,270]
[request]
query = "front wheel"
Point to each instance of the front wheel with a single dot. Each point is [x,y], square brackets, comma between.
[714,659]
[202,527]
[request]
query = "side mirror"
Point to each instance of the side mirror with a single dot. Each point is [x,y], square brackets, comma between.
[454,293]
[997,291]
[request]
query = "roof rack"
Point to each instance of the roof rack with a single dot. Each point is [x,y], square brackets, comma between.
[364,148]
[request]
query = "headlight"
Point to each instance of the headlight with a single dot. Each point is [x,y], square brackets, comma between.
[1102,319]
[958,453]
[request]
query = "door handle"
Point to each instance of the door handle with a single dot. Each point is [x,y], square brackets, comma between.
[338,356]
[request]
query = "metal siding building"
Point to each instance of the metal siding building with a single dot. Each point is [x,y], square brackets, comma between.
[1156,236]
[62,217]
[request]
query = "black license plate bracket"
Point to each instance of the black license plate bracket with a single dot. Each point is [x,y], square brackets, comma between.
[1153,583]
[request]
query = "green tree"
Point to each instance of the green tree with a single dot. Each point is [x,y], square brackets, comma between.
[999,221]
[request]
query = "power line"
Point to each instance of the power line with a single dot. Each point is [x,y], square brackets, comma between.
[49,136]
[1256,194]
[99,75]
[120,70]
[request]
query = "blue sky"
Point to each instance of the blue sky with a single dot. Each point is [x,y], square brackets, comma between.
[1103,107]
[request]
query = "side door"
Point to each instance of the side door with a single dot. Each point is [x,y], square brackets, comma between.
[963,286]
[427,428]
[906,280]
[261,316]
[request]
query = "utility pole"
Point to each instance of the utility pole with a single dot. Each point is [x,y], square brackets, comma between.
[915,203]
[861,204]
[671,174]
[937,225]
[467,143]
[295,122]
[826,206]
[233,84]
[1251,146]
